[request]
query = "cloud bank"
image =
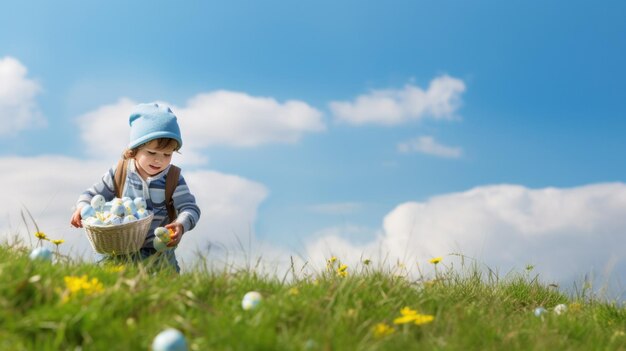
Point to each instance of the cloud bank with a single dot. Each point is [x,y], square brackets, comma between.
[18,106]
[563,232]
[393,107]
[228,203]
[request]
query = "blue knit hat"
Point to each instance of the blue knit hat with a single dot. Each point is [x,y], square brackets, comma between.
[152,121]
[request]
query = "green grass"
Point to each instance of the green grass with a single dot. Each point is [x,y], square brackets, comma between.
[472,310]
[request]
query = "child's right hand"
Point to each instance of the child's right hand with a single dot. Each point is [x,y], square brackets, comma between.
[76,219]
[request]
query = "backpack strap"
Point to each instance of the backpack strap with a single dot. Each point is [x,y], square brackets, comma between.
[120,177]
[170,185]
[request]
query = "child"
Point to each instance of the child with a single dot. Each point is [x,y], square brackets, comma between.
[154,137]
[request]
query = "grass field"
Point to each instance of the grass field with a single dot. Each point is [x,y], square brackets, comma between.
[69,305]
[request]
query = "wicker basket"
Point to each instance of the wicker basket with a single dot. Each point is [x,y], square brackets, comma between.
[118,239]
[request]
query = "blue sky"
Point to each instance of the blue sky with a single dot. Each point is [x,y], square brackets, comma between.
[538,101]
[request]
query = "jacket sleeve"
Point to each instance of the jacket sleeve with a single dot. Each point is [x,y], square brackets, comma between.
[104,187]
[185,204]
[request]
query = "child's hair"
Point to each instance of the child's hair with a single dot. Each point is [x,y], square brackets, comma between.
[162,143]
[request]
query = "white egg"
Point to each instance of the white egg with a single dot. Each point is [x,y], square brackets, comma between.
[97,202]
[169,340]
[140,202]
[251,300]
[129,218]
[41,254]
[117,201]
[560,308]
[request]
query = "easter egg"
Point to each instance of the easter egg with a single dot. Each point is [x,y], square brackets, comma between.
[114,220]
[129,218]
[163,234]
[169,340]
[141,213]
[118,210]
[560,308]
[130,207]
[41,254]
[251,300]
[87,211]
[159,245]
[117,201]
[140,202]
[539,311]
[97,202]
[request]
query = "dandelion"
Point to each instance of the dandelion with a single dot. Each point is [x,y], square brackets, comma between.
[367,261]
[381,330]
[330,263]
[408,315]
[342,271]
[115,268]
[58,242]
[435,260]
[41,236]
[81,285]
[575,307]
[293,291]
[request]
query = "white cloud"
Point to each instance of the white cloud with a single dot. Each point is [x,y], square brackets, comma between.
[105,131]
[428,145]
[48,187]
[565,233]
[238,119]
[392,107]
[18,108]
[221,117]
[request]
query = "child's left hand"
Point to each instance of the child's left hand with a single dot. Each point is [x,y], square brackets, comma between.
[178,230]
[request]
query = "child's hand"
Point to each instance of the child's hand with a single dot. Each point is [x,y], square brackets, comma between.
[76,219]
[178,230]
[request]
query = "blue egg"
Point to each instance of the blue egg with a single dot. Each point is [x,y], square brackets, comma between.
[114,220]
[118,210]
[87,211]
[41,254]
[169,340]
[130,207]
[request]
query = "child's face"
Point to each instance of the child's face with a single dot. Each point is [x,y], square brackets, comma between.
[150,160]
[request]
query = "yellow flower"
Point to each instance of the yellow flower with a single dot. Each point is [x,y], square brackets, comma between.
[342,271]
[330,263]
[41,236]
[423,319]
[411,316]
[115,268]
[293,291]
[575,306]
[367,261]
[76,285]
[435,260]
[381,330]
[58,242]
